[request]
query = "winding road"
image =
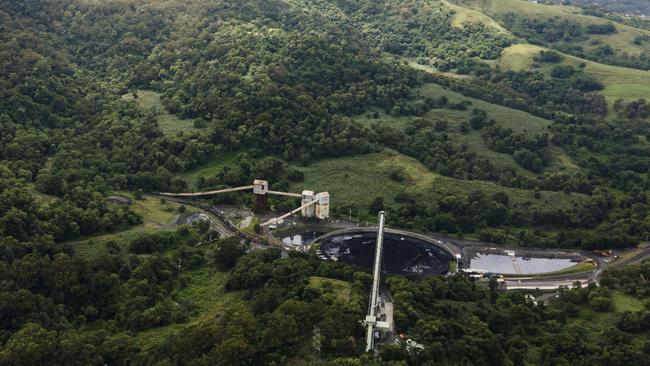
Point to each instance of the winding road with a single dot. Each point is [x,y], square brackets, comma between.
[454,246]
[465,249]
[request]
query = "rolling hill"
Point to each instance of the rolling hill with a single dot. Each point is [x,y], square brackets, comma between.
[620,82]
[496,120]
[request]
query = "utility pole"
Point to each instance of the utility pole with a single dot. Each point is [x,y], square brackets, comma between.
[371,319]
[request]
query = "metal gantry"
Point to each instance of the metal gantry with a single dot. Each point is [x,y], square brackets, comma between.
[312,205]
[371,321]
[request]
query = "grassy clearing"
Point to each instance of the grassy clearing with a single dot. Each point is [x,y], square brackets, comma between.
[464,16]
[155,216]
[250,229]
[93,246]
[206,289]
[359,179]
[518,121]
[560,161]
[623,302]
[170,124]
[413,64]
[519,57]
[394,121]
[342,289]
[522,6]
[620,41]
[156,212]
[354,179]
[211,168]
[416,175]
[595,321]
[475,142]
[620,82]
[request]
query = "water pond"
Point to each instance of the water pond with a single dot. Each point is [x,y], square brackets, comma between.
[511,264]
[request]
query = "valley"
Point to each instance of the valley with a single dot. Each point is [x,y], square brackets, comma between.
[503,143]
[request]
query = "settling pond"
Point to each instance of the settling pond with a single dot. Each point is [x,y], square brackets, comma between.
[514,264]
[402,254]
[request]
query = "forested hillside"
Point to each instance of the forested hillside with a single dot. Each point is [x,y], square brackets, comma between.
[569,30]
[445,112]
[289,81]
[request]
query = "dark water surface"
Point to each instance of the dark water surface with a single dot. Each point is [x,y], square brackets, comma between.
[402,254]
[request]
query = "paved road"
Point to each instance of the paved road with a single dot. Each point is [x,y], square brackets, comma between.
[531,282]
[452,245]
[637,258]
[224,227]
[543,284]
[467,247]
[219,225]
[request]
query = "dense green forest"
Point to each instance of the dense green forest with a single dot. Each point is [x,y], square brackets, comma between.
[538,157]
[61,308]
[278,89]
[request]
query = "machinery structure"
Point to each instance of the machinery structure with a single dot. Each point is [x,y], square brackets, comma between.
[311,205]
[371,323]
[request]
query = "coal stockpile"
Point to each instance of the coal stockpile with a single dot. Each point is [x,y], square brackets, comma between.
[402,254]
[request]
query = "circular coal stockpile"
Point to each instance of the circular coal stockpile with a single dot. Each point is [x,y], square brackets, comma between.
[402,254]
